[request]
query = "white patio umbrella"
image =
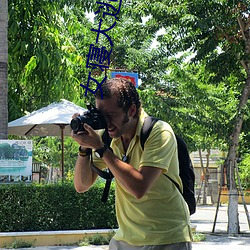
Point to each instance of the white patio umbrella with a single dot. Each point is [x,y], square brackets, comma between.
[52,120]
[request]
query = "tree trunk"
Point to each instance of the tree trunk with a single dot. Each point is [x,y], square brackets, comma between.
[207,172]
[3,69]
[231,161]
[204,199]
[233,215]
[233,218]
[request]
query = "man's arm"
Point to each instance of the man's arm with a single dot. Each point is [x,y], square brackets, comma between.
[84,176]
[137,182]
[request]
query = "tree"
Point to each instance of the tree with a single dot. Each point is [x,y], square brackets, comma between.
[47,49]
[3,69]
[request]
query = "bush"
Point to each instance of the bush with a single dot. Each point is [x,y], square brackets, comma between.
[37,207]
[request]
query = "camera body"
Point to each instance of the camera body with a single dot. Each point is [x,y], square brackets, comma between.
[92,117]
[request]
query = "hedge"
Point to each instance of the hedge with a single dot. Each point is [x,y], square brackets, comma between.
[48,207]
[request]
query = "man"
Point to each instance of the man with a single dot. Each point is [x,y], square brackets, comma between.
[150,210]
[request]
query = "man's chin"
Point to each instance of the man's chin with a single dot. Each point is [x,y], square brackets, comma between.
[113,133]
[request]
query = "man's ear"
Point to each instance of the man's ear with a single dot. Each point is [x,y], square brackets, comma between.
[132,110]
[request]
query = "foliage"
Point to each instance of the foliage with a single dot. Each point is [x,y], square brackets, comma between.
[3,69]
[49,44]
[47,150]
[245,135]
[54,207]
[19,244]
[44,56]
[197,237]
[198,26]
[201,112]
[98,239]
[244,172]
[207,29]
[12,152]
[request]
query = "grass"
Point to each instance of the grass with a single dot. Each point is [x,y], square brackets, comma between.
[19,244]
[97,239]
[197,237]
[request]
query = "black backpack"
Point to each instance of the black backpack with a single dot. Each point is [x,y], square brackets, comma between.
[185,165]
[186,169]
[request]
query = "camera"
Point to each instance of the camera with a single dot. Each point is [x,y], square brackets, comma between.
[92,117]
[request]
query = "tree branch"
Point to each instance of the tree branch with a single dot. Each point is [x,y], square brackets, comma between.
[242,29]
[223,32]
[244,65]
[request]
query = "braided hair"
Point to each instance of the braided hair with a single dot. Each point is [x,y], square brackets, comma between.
[125,92]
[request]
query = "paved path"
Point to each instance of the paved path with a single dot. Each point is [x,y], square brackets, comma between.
[203,219]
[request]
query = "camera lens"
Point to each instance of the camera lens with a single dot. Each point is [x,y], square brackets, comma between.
[76,124]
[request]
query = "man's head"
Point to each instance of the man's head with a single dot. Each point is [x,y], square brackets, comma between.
[120,106]
[122,90]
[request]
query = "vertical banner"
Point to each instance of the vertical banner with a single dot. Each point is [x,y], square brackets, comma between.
[133,77]
[16,157]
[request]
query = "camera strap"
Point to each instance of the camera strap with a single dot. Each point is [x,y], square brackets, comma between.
[107,175]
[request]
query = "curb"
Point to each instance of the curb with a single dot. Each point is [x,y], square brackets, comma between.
[50,238]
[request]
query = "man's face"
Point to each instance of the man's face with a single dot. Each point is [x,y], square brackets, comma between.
[117,120]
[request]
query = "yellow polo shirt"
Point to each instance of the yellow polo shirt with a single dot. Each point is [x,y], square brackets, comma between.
[161,216]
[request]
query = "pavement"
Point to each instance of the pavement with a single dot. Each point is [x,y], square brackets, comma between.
[203,219]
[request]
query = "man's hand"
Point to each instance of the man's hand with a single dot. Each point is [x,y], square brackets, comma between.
[88,138]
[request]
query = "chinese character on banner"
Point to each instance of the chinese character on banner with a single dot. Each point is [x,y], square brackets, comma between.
[133,77]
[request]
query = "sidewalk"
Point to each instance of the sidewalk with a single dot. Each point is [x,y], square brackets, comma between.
[203,219]
[205,215]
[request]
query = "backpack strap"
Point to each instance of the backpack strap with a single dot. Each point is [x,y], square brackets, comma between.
[147,127]
[175,183]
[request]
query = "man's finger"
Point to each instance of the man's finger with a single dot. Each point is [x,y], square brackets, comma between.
[88,128]
[75,115]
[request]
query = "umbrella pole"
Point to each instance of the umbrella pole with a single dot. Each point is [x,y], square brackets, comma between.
[62,127]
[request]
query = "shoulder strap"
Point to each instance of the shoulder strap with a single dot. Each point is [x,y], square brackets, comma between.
[147,127]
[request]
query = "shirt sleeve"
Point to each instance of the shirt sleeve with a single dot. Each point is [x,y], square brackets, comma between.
[160,149]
